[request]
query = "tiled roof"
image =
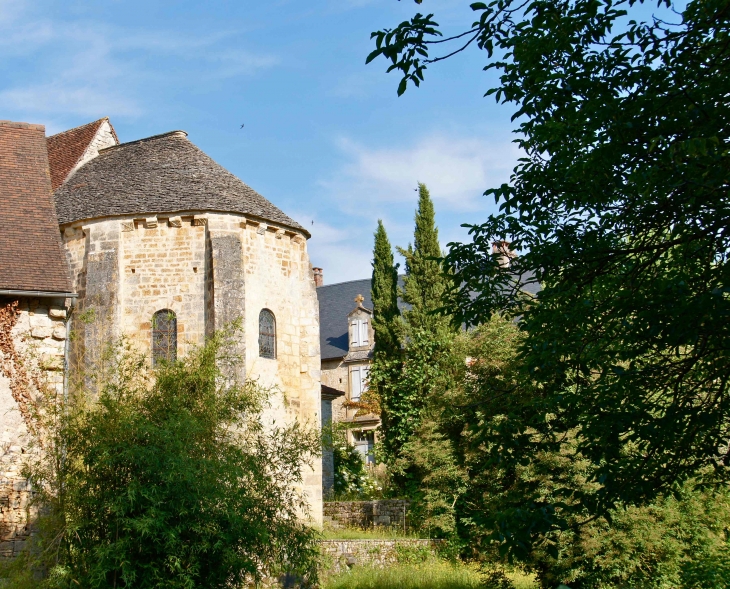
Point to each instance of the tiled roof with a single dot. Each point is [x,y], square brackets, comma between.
[335,303]
[31,258]
[160,174]
[66,149]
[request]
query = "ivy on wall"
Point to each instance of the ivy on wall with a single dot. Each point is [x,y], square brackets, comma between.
[11,364]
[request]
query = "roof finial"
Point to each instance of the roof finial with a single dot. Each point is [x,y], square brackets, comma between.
[359,299]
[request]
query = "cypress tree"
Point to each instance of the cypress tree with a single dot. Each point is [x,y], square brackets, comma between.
[384,292]
[424,283]
[404,376]
[387,361]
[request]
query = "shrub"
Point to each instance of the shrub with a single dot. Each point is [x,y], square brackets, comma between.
[171,479]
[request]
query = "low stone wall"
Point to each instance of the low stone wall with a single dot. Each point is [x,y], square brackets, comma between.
[341,555]
[366,514]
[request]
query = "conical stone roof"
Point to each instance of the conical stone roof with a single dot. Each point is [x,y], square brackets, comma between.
[161,174]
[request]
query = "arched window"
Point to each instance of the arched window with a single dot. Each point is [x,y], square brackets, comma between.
[164,336]
[267,334]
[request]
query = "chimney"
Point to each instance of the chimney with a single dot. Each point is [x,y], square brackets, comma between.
[504,252]
[318,277]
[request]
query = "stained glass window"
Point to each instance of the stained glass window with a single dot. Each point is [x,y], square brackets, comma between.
[164,336]
[267,334]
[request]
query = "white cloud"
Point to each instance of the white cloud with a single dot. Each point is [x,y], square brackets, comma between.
[93,69]
[379,183]
[456,170]
[60,99]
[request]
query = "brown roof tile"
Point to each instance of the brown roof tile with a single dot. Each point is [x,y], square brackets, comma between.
[31,258]
[66,149]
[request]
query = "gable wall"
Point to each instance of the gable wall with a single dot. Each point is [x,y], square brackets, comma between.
[104,137]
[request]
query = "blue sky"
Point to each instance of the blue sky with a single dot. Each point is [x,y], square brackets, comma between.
[326,138]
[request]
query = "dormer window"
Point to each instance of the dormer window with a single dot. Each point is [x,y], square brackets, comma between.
[359,333]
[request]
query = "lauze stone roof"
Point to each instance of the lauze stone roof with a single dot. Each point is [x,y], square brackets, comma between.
[31,258]
[160,174]
[67,148]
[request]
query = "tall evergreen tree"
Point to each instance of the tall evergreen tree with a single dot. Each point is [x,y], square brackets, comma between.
[384,291]
[424,283]
[405,377]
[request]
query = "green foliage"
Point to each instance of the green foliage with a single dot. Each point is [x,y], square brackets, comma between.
[387,324]
[403,377]
[431,574]
[676,542]
[353,480]
[384,292]
[679,541]
[374,533]
[422,367]
[172,479]
[619,208]
[424,285]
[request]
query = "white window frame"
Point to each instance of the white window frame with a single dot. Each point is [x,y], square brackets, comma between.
[359,333]
[358,381]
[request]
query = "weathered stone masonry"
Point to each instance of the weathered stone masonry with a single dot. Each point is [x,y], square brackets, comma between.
[32,338]
[209,269]
[365,514]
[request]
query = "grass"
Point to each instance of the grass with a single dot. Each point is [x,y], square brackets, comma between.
[429,575]
[432,574]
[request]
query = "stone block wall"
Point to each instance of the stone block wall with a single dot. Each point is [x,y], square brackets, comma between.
[341,555]
[209,269]
[32,340]
[366,514]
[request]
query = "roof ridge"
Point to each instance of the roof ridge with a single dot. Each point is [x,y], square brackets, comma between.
[350,281]
[21,125]
[97,122]
[150,138]
[344,282]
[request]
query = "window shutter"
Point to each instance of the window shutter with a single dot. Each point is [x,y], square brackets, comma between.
[354,332]
[356,389]
[364,375]
[364,333]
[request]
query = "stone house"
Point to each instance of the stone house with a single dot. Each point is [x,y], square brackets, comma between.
[35,293]
[164,246]
[346,344]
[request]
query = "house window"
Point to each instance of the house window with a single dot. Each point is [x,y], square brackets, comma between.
[364,442]
[267,334]
[359,381]
[164,337]
[358,332]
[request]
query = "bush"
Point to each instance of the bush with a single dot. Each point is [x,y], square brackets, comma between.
[171,479]
[679,542]
[353,479]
